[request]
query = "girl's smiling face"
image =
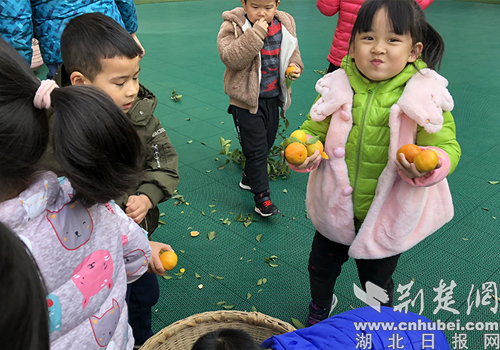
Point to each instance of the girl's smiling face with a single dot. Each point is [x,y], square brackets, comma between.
[381,54]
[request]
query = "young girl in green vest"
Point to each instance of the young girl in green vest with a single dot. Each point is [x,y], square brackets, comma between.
[363,201]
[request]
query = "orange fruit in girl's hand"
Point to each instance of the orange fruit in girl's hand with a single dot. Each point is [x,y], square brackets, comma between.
[315,146]
[426,160]
[168,259]
[299,135]
[289,71]
[410,151]
[296,153]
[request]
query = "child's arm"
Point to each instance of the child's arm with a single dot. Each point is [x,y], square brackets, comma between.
[128,14]
[295,59]
[161,176]
[237,50]
[446,146]
[328,7]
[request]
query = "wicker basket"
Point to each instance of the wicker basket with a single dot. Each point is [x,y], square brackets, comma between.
[182,334]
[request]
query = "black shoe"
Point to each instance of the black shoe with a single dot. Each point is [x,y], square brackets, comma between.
[245,182]
[264,206]
[317,314]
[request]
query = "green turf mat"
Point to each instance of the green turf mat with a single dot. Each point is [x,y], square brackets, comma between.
[497,2]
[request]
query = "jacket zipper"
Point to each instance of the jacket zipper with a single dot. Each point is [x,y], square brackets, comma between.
[156,155]
[371,92]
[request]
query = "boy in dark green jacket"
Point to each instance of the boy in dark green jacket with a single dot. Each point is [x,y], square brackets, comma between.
[97,51]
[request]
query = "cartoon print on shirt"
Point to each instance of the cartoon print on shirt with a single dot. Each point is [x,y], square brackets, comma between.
[72,225]
[134,261]
[55,313]
[104,327]
[36,204]
[93,274]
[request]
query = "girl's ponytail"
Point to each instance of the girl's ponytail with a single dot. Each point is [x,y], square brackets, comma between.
[433,50]
[95,144]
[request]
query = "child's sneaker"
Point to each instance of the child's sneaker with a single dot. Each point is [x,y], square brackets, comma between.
[245,182]
[264,206]
[317,314]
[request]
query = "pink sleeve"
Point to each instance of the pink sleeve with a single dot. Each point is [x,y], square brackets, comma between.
[434,176]
[424,3]
[328,7]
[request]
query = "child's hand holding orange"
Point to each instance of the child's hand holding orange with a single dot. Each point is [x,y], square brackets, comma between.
[155,263]
[293,71]
[416,163]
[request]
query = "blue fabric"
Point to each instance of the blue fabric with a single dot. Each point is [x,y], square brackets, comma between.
[16,26]
[51,16]
[338,332]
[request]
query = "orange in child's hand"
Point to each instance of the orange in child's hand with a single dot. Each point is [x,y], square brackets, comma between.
[168,259]
[299,135]
[296,153]
[426,160]
[410,151]
[289,71]
[318,145]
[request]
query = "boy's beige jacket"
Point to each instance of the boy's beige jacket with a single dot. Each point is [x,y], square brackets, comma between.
[239,46]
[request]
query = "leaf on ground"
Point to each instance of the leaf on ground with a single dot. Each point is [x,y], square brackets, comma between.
[273,265]
[220,303]
[209,171]
[213,276]
[297,324]
[219,278]
[253,309]
[465,239]
[486,209]
[228,307]
[162,222]
[188,119]
[203,213]
[211,205]
[264,280]
[167,277]
[258,237]
[259,282]
[249,260]
[247,223]
[182,251]
[249,296]
[213,211]
[197,275]
[211,235]
[260,290]
[493,182]
[285,191]
[162,214]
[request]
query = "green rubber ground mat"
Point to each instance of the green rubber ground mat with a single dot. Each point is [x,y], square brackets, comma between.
[497,2]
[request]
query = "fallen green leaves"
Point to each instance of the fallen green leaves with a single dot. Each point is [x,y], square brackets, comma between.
[175,96]
[246,220]
[179,198]
[297,324]
[271,261]
[211,235]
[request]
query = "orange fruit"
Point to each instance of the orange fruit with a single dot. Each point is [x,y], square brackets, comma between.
[299,135]
[168,259]
[426,160]
[289,71]
[315,146]
[296,153]
[410,151]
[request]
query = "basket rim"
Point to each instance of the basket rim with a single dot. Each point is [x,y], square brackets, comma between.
[251,318]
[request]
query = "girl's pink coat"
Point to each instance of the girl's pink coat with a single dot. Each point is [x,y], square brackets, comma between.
[348,11]
[404,211]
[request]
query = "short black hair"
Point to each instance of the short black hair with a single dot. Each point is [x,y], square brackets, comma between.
[227,339]
[91,37]
[24,316]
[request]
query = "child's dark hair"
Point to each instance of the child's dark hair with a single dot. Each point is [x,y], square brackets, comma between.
[95,144]
[227,339]
[24,317]
[276,1]
[91,37]
[406,16]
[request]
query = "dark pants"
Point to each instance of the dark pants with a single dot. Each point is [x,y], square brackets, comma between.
[52,69]
[332,68]
[325,263]
[142,295]
[257,133]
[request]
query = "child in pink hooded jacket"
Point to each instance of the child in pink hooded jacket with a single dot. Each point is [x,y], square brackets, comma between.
[347,10]
[363,201]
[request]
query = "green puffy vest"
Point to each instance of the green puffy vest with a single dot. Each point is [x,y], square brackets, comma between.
[368,142]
